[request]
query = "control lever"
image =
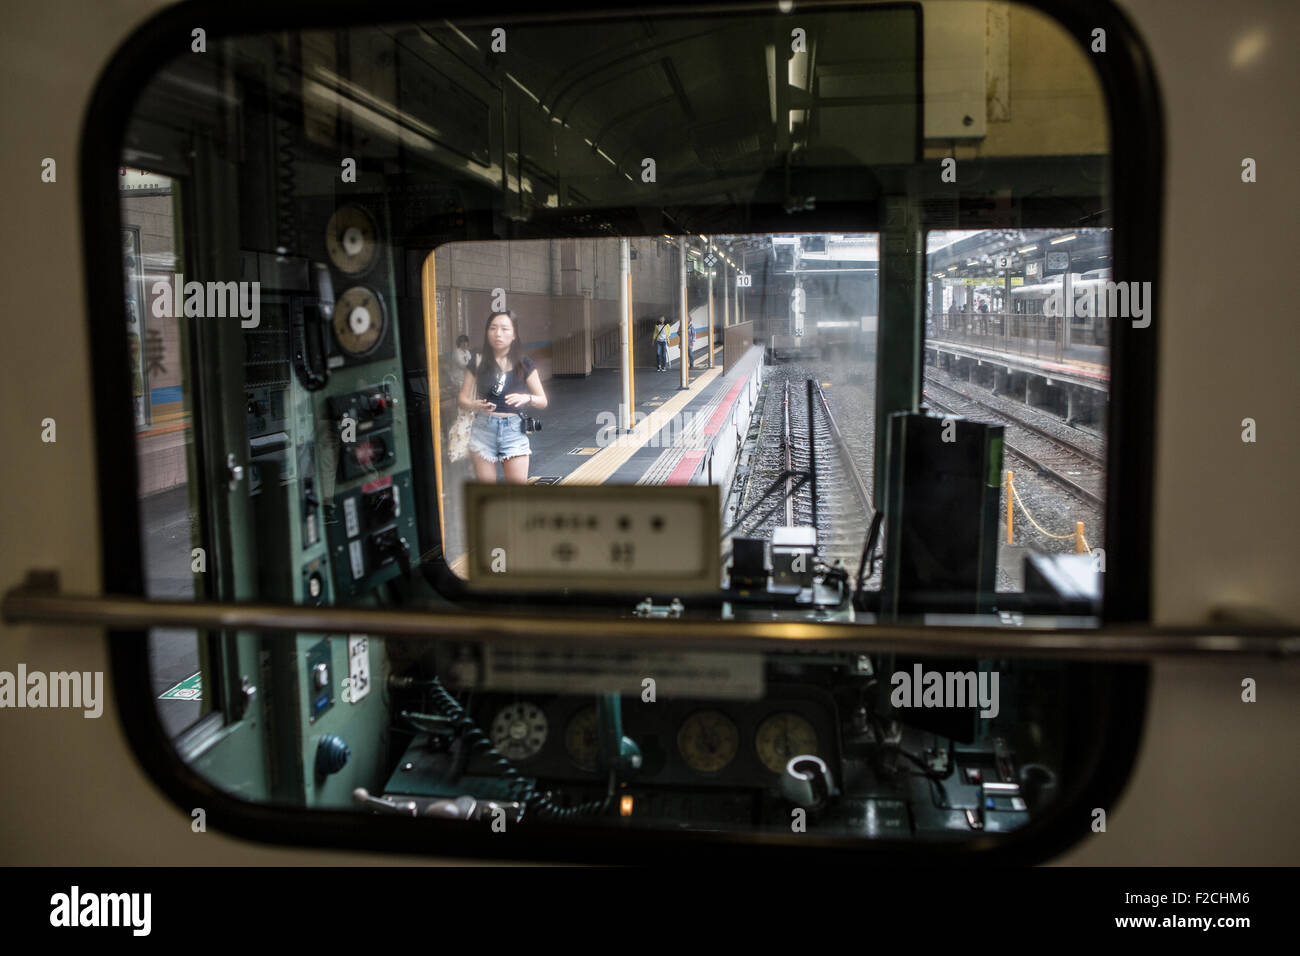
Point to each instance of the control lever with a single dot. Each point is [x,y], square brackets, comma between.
[469,808]
[807,782]
[407,808]
[462,808]
[459,808]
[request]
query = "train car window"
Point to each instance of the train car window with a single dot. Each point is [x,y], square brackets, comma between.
[1017,334]
[584,396]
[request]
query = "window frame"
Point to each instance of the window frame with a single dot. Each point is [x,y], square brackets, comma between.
[1136,166]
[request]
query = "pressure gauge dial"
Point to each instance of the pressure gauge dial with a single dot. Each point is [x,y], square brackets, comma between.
[708,741]
[358,320]
[519,730]
[783,736]
[351,240]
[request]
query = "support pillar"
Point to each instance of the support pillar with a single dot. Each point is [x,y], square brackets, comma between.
[726,294]
[627,390]
[1067,290]
[709,364]
[1035,391]
[682,316]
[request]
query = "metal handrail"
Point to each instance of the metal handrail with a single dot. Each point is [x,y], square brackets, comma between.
[40,602]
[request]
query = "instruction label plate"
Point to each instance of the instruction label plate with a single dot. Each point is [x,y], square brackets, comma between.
[646,539]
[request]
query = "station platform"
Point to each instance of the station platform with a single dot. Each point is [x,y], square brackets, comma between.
[679,436]
[1083,365]
[672,444]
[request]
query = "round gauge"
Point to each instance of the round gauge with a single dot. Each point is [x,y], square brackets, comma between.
[708,741]
[350,240]
[783,736]
[358,320]
[519,731]
[580,739]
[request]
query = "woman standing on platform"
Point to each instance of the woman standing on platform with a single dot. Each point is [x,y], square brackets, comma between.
[503,386]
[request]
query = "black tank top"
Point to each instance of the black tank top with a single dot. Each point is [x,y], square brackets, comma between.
[488,374]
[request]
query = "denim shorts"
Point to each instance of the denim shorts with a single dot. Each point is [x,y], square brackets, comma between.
[493,438]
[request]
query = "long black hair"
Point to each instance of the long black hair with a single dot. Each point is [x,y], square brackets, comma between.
[487,358]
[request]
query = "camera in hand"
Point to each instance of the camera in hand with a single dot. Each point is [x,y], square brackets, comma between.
[529,424]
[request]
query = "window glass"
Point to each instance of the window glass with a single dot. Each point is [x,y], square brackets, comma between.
[765,316]
[1017,333]
[376,275]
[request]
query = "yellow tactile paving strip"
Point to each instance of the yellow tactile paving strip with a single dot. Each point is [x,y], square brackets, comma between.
[597,470]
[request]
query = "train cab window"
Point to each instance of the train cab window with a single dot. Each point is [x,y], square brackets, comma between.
[1017,333]
[665,430]
[774,326]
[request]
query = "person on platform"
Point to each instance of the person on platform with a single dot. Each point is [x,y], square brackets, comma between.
[502,386]
[464,356]
[662,333]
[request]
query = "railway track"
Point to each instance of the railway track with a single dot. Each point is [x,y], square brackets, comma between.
[838,504]
[1078,470]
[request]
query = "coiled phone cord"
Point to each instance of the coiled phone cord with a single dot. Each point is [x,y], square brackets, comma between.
[521,788]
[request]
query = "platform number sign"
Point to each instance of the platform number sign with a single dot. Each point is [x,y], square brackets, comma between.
[1004,262]
[744,281]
